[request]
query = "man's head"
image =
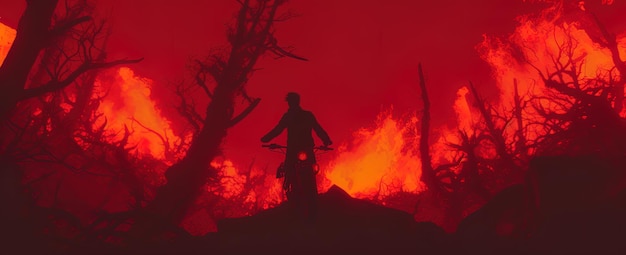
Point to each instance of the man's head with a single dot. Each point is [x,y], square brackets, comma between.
[293,99]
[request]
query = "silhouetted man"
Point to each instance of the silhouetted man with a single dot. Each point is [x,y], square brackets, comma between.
[299,124]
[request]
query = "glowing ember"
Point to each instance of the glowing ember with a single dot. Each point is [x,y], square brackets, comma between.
[7,35]
[302,156]
[377,162]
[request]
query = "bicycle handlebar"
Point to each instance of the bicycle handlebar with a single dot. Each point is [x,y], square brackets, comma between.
[278,146]
[274,146]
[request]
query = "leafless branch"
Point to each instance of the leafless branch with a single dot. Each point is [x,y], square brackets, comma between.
[56,85]
[245,112]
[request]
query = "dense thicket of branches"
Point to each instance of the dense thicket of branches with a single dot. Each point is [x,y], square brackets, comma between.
[50,75]
[46,115]
[250,38]
[49,140]
[575,115]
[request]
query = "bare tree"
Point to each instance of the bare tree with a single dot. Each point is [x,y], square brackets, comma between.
[429,176]
[250,38]
[36,31]
[47,115]
[608,40]
[577,111]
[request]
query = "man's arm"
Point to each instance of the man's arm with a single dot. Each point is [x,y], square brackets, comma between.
[282,124]
[321,133]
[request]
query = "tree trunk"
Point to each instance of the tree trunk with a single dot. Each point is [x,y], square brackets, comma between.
[32,36]
[250,39]
[35,31]
[429,176]
[520,145]
[496,134]
[186,178]
[610,42]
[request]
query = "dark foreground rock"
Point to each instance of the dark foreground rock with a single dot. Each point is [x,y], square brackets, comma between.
[566,206]
[513,222]
[344,226]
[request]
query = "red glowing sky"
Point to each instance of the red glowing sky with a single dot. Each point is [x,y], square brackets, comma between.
[363,54]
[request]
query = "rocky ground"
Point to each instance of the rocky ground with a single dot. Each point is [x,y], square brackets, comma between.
[569,208]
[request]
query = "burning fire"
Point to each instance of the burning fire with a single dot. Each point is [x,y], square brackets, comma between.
[376,158]
[545,44]
[7,35]
[255,185]
[377,161]
[380,160]
[465,117]
[128,104]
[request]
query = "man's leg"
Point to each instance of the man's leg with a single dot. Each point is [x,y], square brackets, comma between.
[310,190]
[291,179]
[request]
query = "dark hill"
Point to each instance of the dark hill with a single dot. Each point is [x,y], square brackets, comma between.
[345,225]
[567,205]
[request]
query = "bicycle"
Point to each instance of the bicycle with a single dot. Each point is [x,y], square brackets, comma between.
[299,182]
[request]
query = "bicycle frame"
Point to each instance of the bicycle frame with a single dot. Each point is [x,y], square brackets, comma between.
[292,179]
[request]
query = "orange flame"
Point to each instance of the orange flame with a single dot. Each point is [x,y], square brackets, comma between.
[265,192]
[466,119]
[539,44]
[129,105]
[7,35]
[377,161]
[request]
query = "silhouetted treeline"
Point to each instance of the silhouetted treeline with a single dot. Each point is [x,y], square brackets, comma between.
[70,186]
